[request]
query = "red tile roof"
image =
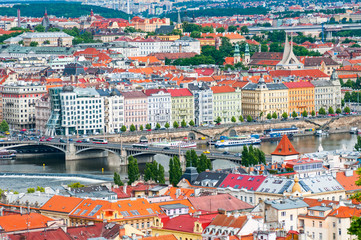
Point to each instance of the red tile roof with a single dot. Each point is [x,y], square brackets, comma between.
[161,237]
[105,230]
[185,223]
[180,92]
[214,202]
[17,222]
[348,182]
[345,212]
[149,92]
[302,84]
[312,73]
[222,89]
[248,182]
[204,71]
[57,234]
[285,148]
[61,204]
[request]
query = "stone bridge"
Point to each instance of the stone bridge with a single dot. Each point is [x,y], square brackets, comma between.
[115,152]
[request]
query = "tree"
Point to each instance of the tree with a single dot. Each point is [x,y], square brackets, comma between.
[132,128]
[338,111]
[141,128]
[133,170]
[294,114]
[31,190]
[195,34]
[218,120]
[148,126]
[232,28]
[274,115]
[233,119]
[76,185]
[264,48]
[244,29]
[322,111]
[34,44]
[46,42]
[175,124]
[191,123]
[161,178]
[284,115]
[175,171]
[21,42]
[4,126]
[40,189]
[269,116]
[261,156]
[207,29]
[249,118]
[157,126]
[330,110]
[166,125]
[117,179]
[241,118]
[342,103]
[313,113]
[220,30]
[245,156]
[184,123]
[304,113]
[39,28]
[347,109]
[204,163]
[123,128]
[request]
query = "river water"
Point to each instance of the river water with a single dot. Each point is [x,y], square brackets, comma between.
[56,164]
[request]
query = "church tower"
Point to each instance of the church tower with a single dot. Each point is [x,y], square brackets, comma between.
[247,56]
[236,55]
[289,59]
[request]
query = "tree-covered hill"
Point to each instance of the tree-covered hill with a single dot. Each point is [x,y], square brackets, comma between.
[61,9]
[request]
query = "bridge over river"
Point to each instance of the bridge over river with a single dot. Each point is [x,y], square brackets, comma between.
[113,151]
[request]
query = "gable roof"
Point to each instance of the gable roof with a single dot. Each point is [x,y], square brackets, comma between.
[185,223]
[222,89]
[18,222]
[301,84]
[214,202]
[181,92]
[61,204]
[57,234]
[223,220]
[241,181]
[348,180]
[285,148]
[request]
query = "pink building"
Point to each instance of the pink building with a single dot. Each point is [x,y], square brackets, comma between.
[135,109]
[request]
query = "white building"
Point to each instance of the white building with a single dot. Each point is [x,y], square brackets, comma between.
[18,102]
[159,107]
[114,110]
[82,111]
[203,103]
[58,63]
[42,113]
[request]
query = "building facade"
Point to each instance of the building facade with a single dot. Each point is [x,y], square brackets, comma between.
[135,109]
[18,102]
[159,107]
[226,103]
[301,97]
[42,113]
[182,105]
[203,103]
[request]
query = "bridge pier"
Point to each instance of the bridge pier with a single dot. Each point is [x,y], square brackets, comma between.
[70,154]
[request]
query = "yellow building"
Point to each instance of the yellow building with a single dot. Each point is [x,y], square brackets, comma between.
[168,37]
[226,103]
[182,105]
[259,99]
[301,97]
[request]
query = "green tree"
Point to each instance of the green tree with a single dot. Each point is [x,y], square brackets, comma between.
[347,109]
[175,124]
[184,123]
[132,128]
[133,170]
[244,29]
[261,156]
[34,44]
[269,116]
[220,30]
[40,189]
[148,172]
[191,123]
[330,110]
[141,128]
[233,119]
[207,29]
[338,111]
[245,156]
[148,126]
[294,114]
[322,111]
[218,120]
[117,179]
[274,115]
[21,42]
[123,128]
[304,114]
[249,118]
[232,28]
[264,48]
[175,171]
[342,103]
[76,185]
[161,178]
[166,125]
[31,190]
[313,113]
[284,115]
[157,126]
[358,144]
[4,126]
[46,42]
[204,163]
[241,119]
[195,34]
[39,28]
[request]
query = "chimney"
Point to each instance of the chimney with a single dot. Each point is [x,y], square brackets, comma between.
[180,48]
[121,231]
[177,193]
[125,188]
[221,211]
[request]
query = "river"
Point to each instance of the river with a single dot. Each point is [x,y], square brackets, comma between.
[56,164]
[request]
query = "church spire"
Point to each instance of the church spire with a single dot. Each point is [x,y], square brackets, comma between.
[91,13]
[179,18]
[46,13]
[289,59]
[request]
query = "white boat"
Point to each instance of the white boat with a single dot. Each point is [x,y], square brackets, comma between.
[320,133]
[175,144]
[353,130]
[237,142]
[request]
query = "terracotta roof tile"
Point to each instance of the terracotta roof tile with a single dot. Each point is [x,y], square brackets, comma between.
[222,89]
[181,92]
[285,148]
[17,222]
[61,204]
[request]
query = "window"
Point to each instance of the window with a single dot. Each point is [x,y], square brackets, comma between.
[320,236]
[334,224]
[320,224]
[283,214]
[291,217]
